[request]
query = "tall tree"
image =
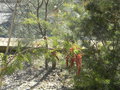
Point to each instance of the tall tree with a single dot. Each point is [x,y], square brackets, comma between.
[98,27]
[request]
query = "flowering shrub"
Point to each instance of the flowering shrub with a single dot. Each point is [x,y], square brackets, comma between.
[74,56]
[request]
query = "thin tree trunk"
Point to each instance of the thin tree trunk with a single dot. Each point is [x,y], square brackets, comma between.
[45,36]
[4,59]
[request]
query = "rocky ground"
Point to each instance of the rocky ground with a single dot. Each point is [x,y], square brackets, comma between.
[38,79]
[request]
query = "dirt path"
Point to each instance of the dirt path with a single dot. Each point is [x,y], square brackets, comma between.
[38,79]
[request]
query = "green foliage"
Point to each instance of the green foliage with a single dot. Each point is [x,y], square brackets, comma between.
[95,23]
[98,28]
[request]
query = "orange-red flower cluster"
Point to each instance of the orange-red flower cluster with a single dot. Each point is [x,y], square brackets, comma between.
[74,58]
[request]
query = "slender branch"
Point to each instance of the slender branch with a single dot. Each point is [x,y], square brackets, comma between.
[10,34]
[38,8]
[33,48]
[32,4]
[40,5]
[8,5]
[11,28]
[46,13]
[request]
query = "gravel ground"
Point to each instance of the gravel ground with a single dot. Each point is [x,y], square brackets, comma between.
[38,79]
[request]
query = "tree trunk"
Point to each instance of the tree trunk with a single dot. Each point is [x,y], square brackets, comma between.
[53,64]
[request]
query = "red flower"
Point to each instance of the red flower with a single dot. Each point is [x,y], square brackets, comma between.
[78,70]
[79,56]
[71,49]
[67,58]
[78,63]
[73,59]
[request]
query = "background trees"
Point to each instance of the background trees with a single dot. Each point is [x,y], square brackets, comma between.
[98,28]
[92,24]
